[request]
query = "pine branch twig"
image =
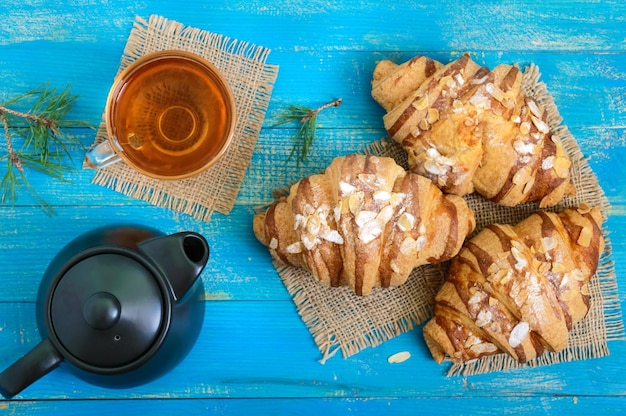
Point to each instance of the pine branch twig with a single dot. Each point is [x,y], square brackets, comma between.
[13,157]
[37,139]
[305,136]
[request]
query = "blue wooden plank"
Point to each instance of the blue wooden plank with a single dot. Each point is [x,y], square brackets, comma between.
[588,87]
[242,353]
[239,266]
[457,406]
[604,147]
[450,25]
[255,349]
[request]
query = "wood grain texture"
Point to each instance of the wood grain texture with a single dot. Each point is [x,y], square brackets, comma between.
[278,361]
[254,353]
[414,405]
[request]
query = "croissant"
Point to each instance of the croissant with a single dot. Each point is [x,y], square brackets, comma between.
[517,289]
[471,129]
[364,222]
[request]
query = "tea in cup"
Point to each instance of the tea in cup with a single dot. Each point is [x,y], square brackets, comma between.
[169,115]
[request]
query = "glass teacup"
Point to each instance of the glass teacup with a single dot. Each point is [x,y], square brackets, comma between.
[169,115]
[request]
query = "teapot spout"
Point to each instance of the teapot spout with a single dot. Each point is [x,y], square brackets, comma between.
[181,257]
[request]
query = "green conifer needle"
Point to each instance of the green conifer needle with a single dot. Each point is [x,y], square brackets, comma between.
[37,137]
[304,138]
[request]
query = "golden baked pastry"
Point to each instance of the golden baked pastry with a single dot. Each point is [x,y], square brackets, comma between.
[364,222]
[517,289]
[471,129]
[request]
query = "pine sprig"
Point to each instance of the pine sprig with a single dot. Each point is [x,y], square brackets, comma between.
[305,136]
[37,139]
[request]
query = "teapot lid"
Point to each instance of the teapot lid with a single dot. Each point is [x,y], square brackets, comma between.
[107,310]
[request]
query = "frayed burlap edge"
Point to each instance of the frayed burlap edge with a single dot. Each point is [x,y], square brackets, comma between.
[251,79]
[312,299]
[339,320]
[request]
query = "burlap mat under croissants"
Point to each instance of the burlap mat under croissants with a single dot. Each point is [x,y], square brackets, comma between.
[251,79]
[341,321]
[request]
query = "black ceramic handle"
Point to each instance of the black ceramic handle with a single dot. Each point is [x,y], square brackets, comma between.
[31,367]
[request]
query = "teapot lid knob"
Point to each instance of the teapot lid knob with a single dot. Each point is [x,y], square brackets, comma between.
[102,310]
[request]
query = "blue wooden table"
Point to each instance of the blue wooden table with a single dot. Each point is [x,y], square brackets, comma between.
[254,353]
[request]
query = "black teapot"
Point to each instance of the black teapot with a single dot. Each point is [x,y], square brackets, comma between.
[120,306]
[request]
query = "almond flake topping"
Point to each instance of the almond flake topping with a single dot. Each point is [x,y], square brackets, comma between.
[406,221]
[518,334]
[421,104]
[484,348]
[547,163]
[522,147]
[584,290]
[421,242]
[480,101]
[584,239]
[399,357]
[370,180]
[508,275]
[408,247]
[333,236]
[314,225]
[493,268]
[578,275]
[483,318]
[314,228]
[564,282]
[382,195]
[472,340]
[521,261]
[309,241]
[561,167]
[549,243]
[346,188]
[370,231]
[476,298]
[386,214]
[299,221]
[522,176]
[477,81]
[495,92]
[355,202]
[558,268]
[436,163]
[363,217]
[294,248]
[534,108]
[433,115]
[524,128]
[396,198]
[337,211]
[541,125]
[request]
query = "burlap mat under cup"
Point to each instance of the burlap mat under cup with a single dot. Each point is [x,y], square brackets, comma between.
[251,79]
[339,320]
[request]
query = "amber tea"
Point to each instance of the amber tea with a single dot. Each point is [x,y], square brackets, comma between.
[171,115]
